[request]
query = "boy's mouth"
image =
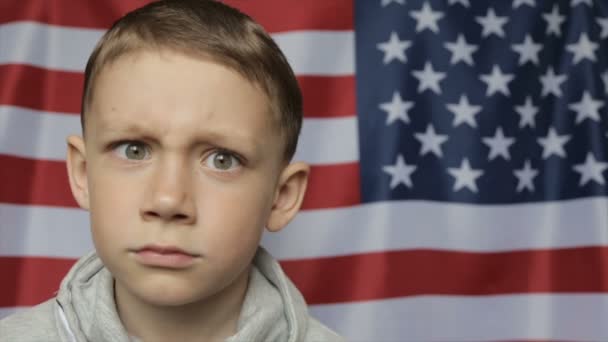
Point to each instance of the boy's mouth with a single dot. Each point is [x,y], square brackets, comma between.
[164,256]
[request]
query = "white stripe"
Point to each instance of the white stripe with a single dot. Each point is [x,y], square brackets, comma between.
[322,141]
[402,225]
[319,52]
[34,230]
[572,317]
[46,46]
[64,48]
[44,231]
[329,141]
[33,134]
[9,311]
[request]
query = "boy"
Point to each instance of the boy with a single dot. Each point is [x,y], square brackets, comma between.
[190,116]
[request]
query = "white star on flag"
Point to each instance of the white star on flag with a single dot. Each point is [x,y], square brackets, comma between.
[497,81]
[397,109]
[590,170]
[554,20]
[464,112]
[464,3]
[603,22]
[400,172]
[431,141]
[492,24]
[553,144]
[426,18]
[461,51]
[428,78]
[385,3]
[517,3]
[578,2]
[587,108]
[499,145]
[605,80]
[394,48]
[552,82]
[465,176]
[527,112]
[525,177]
[528,51]
[584,48]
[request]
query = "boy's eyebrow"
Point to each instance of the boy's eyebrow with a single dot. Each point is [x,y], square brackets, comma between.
[120,128]
[229,138]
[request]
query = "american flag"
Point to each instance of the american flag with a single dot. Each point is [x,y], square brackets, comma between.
[458,150]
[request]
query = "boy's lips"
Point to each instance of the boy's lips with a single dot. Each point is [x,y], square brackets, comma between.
[164,256]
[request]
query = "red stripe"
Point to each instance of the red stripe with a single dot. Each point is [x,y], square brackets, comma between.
[274,15]
[29,281]
[60,91]
[430,272]
[286,15]
[40,89]
[30,181]
[328,96]
[87,14]
[378,275]
[45,182]
[332,186]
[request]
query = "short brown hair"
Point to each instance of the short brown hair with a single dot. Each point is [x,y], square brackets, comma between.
[208,29]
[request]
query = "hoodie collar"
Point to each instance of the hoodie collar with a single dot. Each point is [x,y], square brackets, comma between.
[273,309]
[86,297]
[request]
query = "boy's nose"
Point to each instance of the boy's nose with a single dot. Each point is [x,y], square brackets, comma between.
[168,196]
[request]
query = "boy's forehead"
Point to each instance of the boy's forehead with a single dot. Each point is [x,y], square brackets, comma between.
[128,101]
[172,58]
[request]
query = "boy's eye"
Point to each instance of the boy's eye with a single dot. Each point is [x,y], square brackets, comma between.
[132,150]
[223,161]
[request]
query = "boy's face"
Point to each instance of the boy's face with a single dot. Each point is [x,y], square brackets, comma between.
[181,170]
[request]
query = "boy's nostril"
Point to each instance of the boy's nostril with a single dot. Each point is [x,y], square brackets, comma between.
[181,217]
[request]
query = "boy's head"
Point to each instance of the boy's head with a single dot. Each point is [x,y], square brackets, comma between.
[209,30]
[191,115]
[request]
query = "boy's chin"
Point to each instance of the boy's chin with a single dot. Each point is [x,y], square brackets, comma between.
[165,293]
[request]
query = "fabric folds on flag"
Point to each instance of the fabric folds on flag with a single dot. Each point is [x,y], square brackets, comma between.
[459,161]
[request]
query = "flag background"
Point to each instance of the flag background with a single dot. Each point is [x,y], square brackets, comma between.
[396,241]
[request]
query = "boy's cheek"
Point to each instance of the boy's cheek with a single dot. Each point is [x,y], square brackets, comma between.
[113,198]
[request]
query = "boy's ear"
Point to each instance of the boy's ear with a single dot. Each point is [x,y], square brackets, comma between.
[289,195]
[77,170]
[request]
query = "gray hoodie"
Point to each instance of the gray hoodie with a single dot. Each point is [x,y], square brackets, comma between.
[84,310]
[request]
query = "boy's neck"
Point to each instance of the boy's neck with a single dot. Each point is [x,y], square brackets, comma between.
[211,319]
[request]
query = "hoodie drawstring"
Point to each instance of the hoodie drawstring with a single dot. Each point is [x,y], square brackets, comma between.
[64,322]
